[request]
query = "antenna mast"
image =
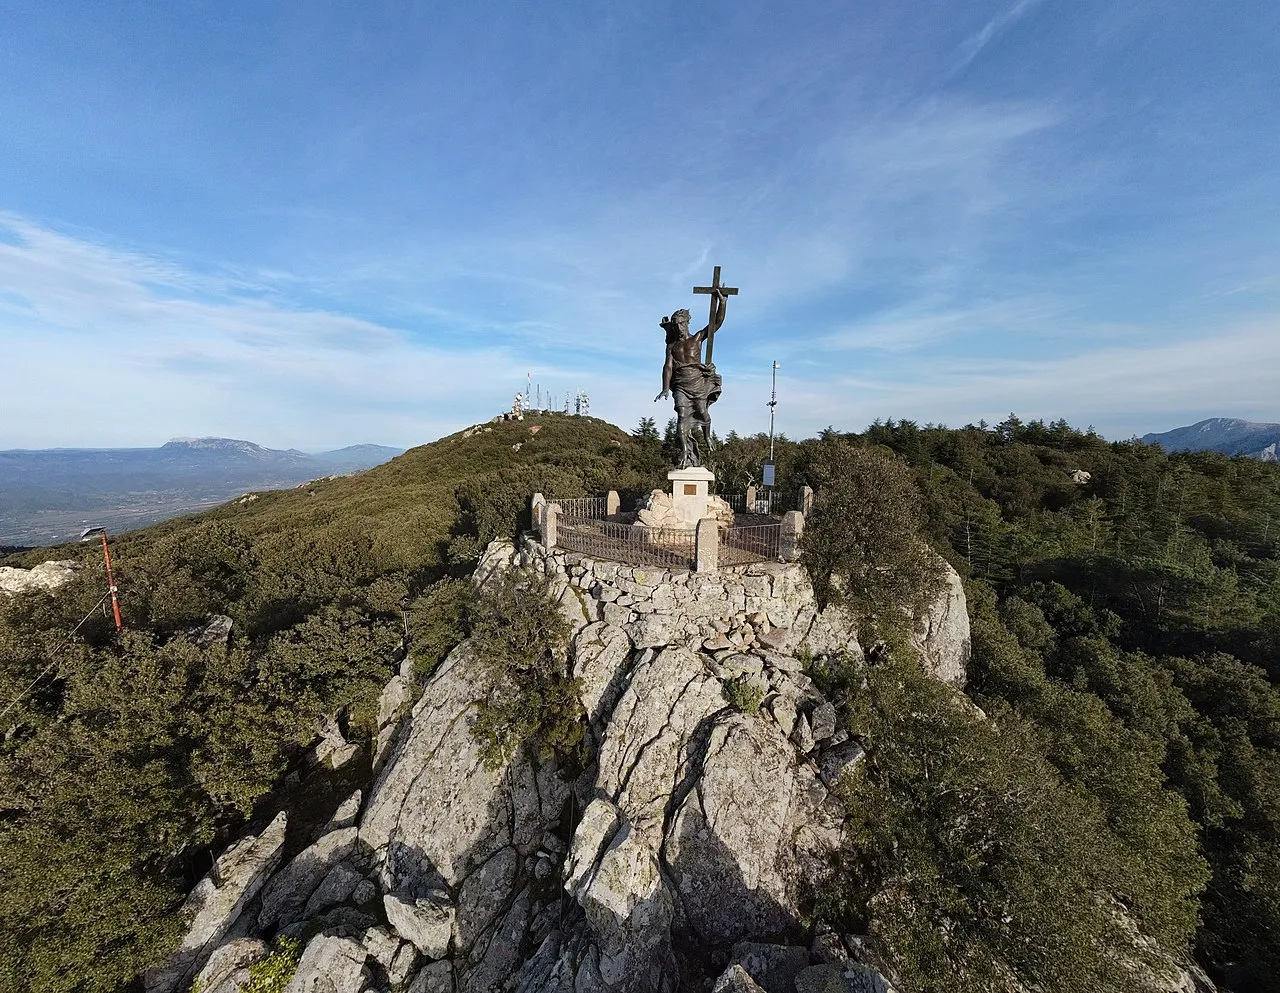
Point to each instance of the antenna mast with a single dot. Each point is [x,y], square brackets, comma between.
[773,403]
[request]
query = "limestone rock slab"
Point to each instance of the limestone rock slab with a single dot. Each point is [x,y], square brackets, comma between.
[942,635]
[428,924]
[286,896]
[214,905]
[329,964]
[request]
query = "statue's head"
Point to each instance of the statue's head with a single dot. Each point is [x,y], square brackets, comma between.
[677,325]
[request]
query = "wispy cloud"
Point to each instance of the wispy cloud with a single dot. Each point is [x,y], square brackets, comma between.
[926,322]
[138,347]
[992,29]
[1122,389]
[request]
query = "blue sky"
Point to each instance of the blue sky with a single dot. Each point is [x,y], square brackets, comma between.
[314,224]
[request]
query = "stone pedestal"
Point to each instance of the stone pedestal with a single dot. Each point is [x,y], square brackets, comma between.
[689,493]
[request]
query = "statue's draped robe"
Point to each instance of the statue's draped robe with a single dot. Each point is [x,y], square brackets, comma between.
[694,381]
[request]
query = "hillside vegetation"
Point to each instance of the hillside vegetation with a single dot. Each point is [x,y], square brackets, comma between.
[1125,651]
[1126,639]
[117,776]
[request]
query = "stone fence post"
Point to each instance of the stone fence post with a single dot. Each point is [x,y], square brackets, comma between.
[611,503]
[792,531]
[549,527]
[751,499]
[706,554]
[538,511]
[806,500]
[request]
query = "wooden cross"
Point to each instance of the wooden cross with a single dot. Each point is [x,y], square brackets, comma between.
[716,290]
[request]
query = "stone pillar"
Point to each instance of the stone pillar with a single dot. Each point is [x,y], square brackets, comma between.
[792,531]
[549,528]
[707,545]
[538,511]
[806,500]
[611,503]
[690,493]
[751,499]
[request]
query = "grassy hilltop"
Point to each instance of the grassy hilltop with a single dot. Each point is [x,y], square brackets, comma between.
[1126,647]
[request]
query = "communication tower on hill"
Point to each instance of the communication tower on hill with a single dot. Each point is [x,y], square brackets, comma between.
[566,403]
[582,407]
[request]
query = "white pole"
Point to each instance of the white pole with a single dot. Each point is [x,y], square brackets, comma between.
[773,403]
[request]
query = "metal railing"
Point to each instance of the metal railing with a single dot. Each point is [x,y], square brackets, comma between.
[762,505]
[595,508]
[755,543]
[671,548]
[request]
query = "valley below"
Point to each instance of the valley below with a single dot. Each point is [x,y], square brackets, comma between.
[50,496]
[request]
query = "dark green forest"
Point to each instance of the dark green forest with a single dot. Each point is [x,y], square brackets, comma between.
[1125,653]
[1126,631]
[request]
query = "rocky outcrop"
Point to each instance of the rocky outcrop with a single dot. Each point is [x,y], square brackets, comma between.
[657,510]
[216,630]
[330,964]
[292,887]
[215,905]
[691,844]
[47,576]
[941,633]
[228,968]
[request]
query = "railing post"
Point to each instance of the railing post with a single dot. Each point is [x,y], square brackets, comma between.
[706,553]
[538,511]
[751,499]
[806,500]
[611,503]
[789,537]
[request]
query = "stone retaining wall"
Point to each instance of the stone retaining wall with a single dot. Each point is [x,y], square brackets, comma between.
[770,605]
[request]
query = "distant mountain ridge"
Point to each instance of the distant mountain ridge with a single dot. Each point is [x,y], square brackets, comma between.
[46,493]
[1228,435]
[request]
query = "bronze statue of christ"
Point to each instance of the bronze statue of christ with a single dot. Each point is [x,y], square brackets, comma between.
[695,384]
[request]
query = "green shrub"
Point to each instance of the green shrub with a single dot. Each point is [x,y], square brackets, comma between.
[742,695]
[979,865]
[272,974]
[519,636]
[863,544]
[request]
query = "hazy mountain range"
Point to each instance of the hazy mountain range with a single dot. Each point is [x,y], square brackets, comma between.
[47,495]
[1227,435]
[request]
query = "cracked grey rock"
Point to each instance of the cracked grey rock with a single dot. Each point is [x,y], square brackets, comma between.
[215,904]
[427,923]
[736,979]
[844,977]
[837,760]
[346,814]
[773,967]
[435,977]
[337,888]
[822,720]
[225,962]
[285,897]
[329,964]
[941,633]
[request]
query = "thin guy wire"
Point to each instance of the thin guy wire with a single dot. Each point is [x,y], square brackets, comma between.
[53,664]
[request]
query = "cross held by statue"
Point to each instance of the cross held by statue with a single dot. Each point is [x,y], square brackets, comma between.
[716,291]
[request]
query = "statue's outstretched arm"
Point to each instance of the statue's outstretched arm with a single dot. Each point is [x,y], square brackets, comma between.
[666,378]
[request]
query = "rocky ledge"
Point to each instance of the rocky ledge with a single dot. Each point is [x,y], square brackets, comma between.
[686,855]
[48,576]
